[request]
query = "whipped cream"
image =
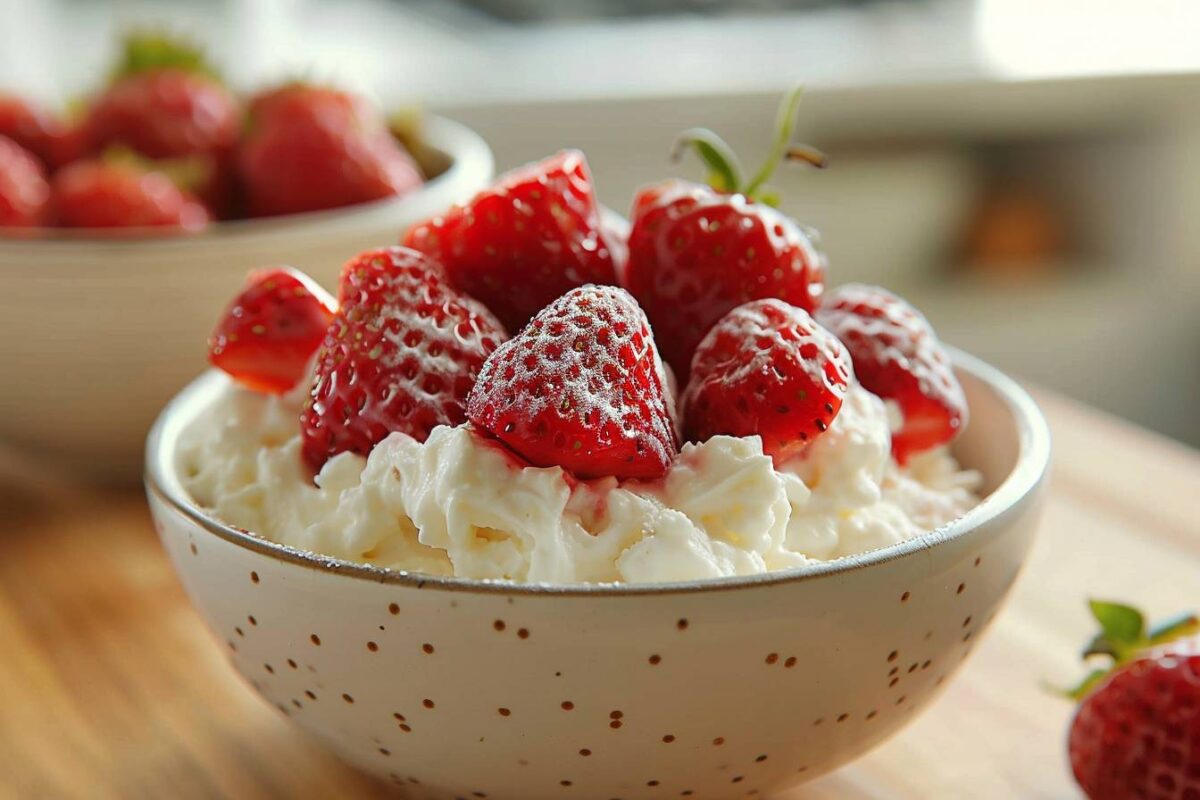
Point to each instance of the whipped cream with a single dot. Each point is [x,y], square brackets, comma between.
[457,504]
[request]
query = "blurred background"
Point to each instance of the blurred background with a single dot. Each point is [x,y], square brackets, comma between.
[1026,172]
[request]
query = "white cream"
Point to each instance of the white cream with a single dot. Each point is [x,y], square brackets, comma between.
[458,505]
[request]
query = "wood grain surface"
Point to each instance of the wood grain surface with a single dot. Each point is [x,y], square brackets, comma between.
[110,686]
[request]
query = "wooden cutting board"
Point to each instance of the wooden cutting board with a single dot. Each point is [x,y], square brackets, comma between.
[110,686]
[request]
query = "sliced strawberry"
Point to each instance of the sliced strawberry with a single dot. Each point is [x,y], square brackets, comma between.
[270,331]
[898,356]
[766,369]
[581,387]
[528,239]
[401,355]
[24,192]
[98,194]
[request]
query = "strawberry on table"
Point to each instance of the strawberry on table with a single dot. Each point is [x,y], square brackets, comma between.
[401,354]
[528,239]
[1136,732]
[310,148]
[696,252]
[581,387]
[766,369]
[898,356]
[98,194]
[268,334]
[24,192]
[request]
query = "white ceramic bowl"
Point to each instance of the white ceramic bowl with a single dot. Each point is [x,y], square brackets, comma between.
[99,333]
[708,689]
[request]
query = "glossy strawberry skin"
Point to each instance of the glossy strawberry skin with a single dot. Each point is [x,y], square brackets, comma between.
[401,354]
[270,331]
[525,241]
[1138,733]
[695,254]
[24,192]
[94,194]
[581,387]
[898,356]
[166,113]
[309,149]
[766,369]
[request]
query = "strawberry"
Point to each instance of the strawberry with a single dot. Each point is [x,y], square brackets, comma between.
[166,104]
[270,331]
[401,355]
[581,387]
[96,194]
[898,356]
[24,192]
[1136,732]
[696,252]
[38,131]
[529,238]
[310,148]
[766,369]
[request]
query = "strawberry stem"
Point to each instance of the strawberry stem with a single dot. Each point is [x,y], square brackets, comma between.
[725,172]
[146,50]
[785,126]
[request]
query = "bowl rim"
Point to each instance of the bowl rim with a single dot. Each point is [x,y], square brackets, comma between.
[1032,463]
[465,149]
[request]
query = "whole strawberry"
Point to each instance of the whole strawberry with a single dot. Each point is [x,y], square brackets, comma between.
[696,252]
[310,148]
[39,131]
[898,356]
[97,194]
[401,354]
[529,238]
[24,192]
[1136,732]
[268,334]
[165,103]
[581,387]
[766,369]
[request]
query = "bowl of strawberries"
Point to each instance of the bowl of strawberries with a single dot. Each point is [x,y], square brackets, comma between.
[122,224]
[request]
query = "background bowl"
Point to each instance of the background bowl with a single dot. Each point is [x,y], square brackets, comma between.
[100,332]
[712,689]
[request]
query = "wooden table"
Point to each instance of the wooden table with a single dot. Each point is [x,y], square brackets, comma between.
[110,686]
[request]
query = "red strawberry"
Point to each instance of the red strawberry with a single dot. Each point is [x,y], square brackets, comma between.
[167,105]
[270,331]
[401,355]
[897,356]
[38,131]
[310,148]
[697,252]
[24,193]
[581,387]
[532,236]
[95,194]
[1136,732]
[766,369]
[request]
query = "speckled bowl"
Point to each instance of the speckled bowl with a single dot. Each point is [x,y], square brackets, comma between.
[455,688]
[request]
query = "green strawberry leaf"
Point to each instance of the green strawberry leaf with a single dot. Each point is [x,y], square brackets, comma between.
[1174,628]
[147,50]
[725,173]
[1122,628]
[1089,682]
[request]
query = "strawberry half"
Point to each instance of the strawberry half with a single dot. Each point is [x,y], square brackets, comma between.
[696,252]
[1136,732]
[766,369]
[24,192]
[270,331]
[528,239]
[401,354]
[898,356]
[581,387]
